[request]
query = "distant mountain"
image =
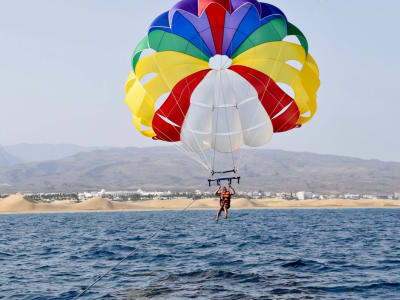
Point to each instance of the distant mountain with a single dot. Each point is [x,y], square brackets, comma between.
[6,159]
[166,168]
[45,152]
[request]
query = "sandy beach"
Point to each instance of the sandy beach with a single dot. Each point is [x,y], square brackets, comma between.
[17,204]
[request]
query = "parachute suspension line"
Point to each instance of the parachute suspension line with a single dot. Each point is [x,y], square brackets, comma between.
[201,155]
[191,154]
[151,237]
[227,119]
[225,115]
[239,151]
[215,124]
[185,151]
[240,159]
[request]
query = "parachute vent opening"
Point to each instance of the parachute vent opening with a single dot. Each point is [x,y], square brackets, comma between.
[295,64]
[283,110]
[147,52]
[287,89]
[145,128]
[292,39]
[161,100]
[168,121]
[147,78]
[306,115]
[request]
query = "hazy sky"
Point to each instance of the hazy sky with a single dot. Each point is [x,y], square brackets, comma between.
[63,66]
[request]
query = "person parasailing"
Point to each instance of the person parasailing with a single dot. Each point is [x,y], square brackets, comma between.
[224,200]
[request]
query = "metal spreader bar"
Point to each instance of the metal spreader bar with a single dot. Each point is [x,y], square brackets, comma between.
[219,180]
[224,172]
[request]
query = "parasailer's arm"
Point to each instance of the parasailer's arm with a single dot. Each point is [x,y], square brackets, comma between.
[232,189]
[217,192]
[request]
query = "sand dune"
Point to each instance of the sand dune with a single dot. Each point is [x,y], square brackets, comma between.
[18,204]
[95,204]
[61,203]
[206,204]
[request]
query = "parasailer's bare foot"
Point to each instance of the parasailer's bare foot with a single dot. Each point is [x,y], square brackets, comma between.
[226,217]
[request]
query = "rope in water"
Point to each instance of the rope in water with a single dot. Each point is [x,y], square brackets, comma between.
[152,236]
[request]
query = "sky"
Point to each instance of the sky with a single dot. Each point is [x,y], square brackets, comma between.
[63,66]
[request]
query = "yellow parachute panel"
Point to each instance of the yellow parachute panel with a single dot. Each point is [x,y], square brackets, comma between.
[272,59]
[169,68]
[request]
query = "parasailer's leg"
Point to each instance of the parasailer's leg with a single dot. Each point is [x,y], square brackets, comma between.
[226,211]
[219,213]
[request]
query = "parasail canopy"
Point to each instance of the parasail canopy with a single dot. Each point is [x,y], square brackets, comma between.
[216,75]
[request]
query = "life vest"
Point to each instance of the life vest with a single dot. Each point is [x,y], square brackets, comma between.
[226,197]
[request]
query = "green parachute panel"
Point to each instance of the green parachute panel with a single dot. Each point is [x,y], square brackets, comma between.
[274,31]
[161,41]
[143,45]
[293,30]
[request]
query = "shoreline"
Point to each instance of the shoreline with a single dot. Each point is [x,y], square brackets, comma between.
[17,204]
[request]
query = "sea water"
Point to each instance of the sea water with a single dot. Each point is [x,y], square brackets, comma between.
[265,254]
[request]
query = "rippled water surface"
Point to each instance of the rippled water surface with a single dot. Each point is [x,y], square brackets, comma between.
[303,254]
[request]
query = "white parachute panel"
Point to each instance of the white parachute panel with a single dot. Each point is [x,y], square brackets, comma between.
[225,114]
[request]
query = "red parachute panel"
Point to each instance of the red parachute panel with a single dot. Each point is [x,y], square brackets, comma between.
[281,108]
[175,108]
[216,16]
[203,4]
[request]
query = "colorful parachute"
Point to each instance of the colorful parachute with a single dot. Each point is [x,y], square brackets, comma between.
[215,75]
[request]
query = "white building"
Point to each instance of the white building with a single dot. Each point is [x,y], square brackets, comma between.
[352,196]
[304,195]
[269,195]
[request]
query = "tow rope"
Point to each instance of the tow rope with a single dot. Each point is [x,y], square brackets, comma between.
[151,237]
